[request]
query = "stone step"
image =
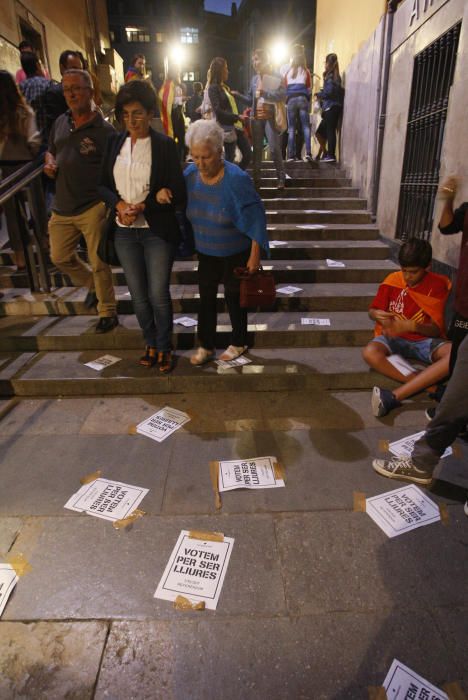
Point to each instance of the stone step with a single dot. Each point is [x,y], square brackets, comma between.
[270,181]
[17,305]
[317,216]
[303,172]
[309,192]
[286,269]
[292,369]
[305,204]
[275,329]
[323,232]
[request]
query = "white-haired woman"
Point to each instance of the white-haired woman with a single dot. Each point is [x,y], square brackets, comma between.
[229,224]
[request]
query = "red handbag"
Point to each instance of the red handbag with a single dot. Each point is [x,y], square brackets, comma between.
[257,289]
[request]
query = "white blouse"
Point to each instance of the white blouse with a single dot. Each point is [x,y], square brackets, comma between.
[132,171]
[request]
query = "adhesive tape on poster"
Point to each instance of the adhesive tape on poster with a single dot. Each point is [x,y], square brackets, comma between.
[181,603]
[124,522]
[132,430]
[359,502]
[89,478]
[208,536]
[280,472]
[214,474]
[19,563]
[384,445]
[377,692]
[454,691]
[444,514]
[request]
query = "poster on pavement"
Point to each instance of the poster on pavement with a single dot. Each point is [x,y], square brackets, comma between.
[257,473]
[402,510]
[335,263]
[289,289]
[401,364]
[102,362]
[405,446]
[106,498]
[8,580]
[163,423]
[401,683]
[196,569]
[242,360]
[186,321]
[315,321]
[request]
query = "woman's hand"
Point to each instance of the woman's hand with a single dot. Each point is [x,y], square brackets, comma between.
[164,196]
[125,212]
[253,263]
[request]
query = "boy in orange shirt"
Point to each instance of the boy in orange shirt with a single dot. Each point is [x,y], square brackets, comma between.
[409,313]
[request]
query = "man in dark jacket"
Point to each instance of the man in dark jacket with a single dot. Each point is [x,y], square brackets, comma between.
[54,100]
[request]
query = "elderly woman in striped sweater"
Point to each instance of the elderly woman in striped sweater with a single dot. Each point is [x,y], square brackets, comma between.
[229,224]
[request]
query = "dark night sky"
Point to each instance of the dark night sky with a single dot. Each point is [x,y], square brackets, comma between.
[223,6]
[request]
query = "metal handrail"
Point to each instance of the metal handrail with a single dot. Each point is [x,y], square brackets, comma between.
[33,231]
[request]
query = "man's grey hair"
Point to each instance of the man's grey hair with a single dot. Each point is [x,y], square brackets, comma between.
[84,75]
[205,131]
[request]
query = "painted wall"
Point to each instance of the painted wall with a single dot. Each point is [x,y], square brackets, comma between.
[407,41]
[67,26]
[343,27]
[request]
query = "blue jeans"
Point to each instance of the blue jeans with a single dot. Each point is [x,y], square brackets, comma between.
[298,105]
[260,129]
[147,262]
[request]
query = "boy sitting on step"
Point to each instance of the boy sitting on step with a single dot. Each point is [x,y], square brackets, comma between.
[409,313]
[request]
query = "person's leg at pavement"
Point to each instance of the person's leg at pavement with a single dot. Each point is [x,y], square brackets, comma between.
[441,432]
[258,134]
[292,108]
[91,223]
[245,149]
[274,141]
[331,117]
[237,314]
[210,273]
[64,236]
[305,125]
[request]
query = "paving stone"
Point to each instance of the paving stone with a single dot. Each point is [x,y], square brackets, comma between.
[343,561]
[9,529]
[83,568]
[268,658]
[50,660]
[38,476]
[46,417]
[453,624]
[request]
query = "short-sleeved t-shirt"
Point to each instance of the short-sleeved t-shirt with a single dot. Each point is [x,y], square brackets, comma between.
[78,153]
[399,302]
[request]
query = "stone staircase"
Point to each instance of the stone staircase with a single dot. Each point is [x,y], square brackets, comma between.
[45,339]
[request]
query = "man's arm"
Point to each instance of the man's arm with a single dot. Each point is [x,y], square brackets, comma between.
[451,221]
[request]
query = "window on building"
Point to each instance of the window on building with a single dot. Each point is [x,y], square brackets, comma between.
[433,73]
[139,35]
[160,38]
[115,35]
[189,35]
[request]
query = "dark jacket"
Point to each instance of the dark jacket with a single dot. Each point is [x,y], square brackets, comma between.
[165,172]
[332,93]
[221,106]
[55,105]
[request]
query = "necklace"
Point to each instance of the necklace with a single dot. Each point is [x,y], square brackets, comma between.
[215,180]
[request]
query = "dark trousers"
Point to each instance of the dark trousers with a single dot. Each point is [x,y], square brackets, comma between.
[213,270]
[457,332]
[244,147]
[451,416]
[331,118]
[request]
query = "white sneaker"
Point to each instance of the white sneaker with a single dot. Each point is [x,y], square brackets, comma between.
[233,352]
[202,356]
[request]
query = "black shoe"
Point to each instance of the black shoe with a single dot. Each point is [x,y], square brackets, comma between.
[430,412]
[383,401]
[91,299]
[107,323]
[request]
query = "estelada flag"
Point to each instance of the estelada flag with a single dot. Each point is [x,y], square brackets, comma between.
[432,306]
[166,97]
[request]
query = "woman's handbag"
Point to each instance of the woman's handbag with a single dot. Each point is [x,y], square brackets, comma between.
[106,248]
[229,135]
[257,289]
[281,119]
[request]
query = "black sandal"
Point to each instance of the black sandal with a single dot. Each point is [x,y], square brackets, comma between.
[150,358]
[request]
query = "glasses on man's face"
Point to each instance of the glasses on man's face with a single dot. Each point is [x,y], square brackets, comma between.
[74,88]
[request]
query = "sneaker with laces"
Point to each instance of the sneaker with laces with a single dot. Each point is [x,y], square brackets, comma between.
[308,158]
[403,469]
[329,159]
[233,352]
[383,401]
[202,356]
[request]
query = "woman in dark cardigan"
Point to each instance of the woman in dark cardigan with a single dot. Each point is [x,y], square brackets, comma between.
[142,181]
[225,110]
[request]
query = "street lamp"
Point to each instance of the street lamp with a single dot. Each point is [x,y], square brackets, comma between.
[279,51]
[178,54]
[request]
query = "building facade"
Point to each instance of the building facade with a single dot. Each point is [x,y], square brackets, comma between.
[404,128]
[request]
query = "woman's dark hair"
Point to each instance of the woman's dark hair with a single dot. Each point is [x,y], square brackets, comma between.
[29,63]
[415,253]
[23,44]
[298,58]
[13,107]
[332,69]
[135,91]
[136,57]
[263,55]
[215,71]
[197,88]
